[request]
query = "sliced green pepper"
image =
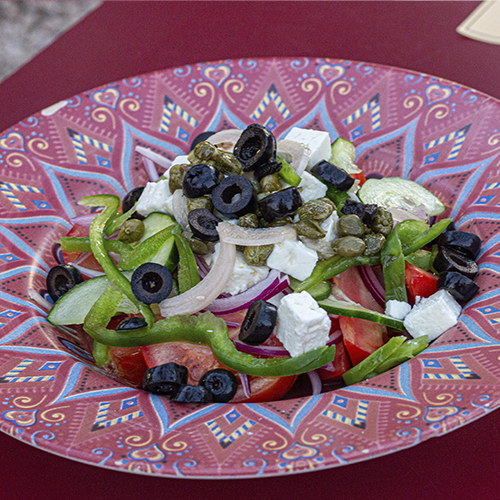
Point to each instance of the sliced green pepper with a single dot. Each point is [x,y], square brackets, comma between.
[393,267]
[287,173]
[188,274]
[115,223]
[336,195]
[204,329]
[100,353]
[82,244]
[96,236]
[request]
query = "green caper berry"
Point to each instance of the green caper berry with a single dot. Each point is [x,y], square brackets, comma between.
[249,220]
[202,152]
[280,222]
[227,163]
[350,225]
[257,256]
[176,176]
[204,201]
[270,183]
[374,243]
[197,246]
[132,230]
[315,210]
[348,246]
[382,222]
[309,228]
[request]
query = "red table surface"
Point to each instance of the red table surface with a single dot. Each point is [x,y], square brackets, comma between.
[122,39]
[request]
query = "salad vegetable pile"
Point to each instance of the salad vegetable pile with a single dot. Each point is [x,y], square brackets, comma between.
[251,261]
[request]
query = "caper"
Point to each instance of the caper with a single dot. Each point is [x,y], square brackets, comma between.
[270,183]
[132,230]
[204,201]
[309,228]
[176,176]
[374,243]
[348,246]
[319,209]
[257,256]
[249,220]
[202,152]
[227,163]
[351,225]
[197,246]
[276,223]
[382,222]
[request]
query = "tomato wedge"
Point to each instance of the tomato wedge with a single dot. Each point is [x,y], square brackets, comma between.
[419,283]
[340,364]
[129,363]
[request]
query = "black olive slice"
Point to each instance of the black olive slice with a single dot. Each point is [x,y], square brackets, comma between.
[448,260]
[130,200]
[467,243]
[192,394]
[166,379]
[233,196]
[259,322]
[279,204]
[335,176]
[151,283]
[366,212]
[221,383]
[200,138]
[461,287]
[271,167]
[203,223]
[199,180]
[131,324]
[62,279]
[255,147]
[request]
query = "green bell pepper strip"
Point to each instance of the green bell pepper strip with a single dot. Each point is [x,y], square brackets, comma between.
[205,329]
[393,267]
[100,353]
[287,173]
[82,244]
[96,235]
[362,370]
[336,195]
[188,275]
[115,223]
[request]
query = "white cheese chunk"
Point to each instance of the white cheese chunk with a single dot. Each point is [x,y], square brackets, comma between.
[180,160]
[293,258]
[316,140]
[433,315]
[397,309]
[329,225]
[154,198]
[302,325]
[244,276]
[311,188]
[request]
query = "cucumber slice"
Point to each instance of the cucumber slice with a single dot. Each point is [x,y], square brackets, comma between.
[321,291]
[351,310]
[395,192]
[343,156]
[74,305]
[153,223]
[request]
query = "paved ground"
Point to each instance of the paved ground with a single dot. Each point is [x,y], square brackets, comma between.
[26,28]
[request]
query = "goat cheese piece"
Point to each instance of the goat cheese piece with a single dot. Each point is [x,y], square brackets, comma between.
[244,276]
[397,309]
[302,325]
[433,315]
[293,258]
[311,188]
[154,198]
[316,140]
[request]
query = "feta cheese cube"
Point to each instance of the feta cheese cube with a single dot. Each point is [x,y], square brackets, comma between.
[154,198]
[302,325]
[397,309]
[433,315]
[329,225]
[293,258]
[180,160]
[316,140]
[311,188]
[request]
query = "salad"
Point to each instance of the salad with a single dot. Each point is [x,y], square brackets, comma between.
[251,263]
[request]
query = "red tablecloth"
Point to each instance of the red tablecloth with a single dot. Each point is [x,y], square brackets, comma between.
[122,39]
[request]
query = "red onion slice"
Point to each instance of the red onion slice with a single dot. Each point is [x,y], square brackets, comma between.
[315,382]
[225,139]
[334,338]
[34,295]
[261,350]
[249,237]
[157,158]
[203,267]
[84,220]
[372,284]
[89,273]
[150,169]
[297,153]
[245,383]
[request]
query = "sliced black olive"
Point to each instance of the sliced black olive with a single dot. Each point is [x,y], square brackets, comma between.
[221,383]
[259,322]
[461,287]
[449,260]
[279,204]
[271,167]
[233,196]
[203,223]
[62,279]
[166,379]
[467,243]
[131,324]
[366,212]
[192,394]
[200,138]
[151,283]
[333,175]
[255,147]
[130,200]
[199,180]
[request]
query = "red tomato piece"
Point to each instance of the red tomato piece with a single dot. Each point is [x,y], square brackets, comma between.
[361,337]
[89,261]
[360,176]
[419,283]
[340,364]
[265,389]
[129,363]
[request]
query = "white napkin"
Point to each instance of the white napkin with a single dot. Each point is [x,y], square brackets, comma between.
[483,24]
